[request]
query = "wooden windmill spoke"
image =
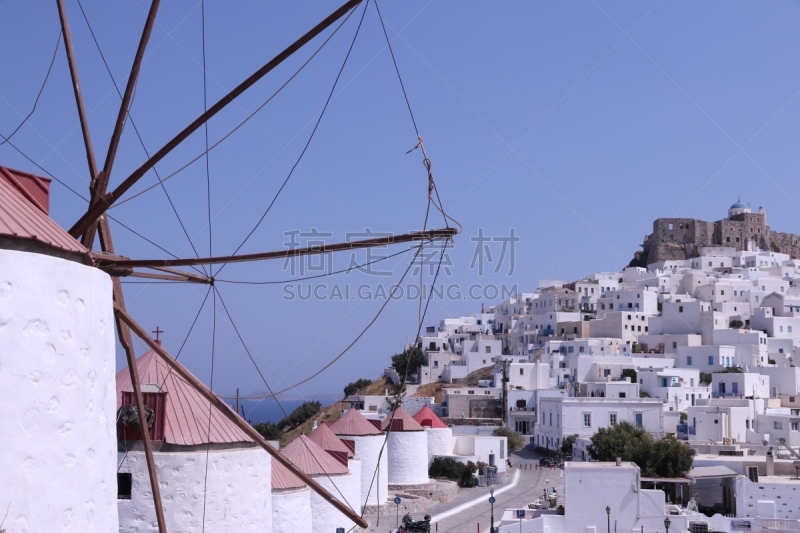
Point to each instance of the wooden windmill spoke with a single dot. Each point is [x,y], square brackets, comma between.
[112,263]
[100,181]
[105,201]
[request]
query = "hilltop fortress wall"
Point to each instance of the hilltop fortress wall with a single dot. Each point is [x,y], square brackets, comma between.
[682,238]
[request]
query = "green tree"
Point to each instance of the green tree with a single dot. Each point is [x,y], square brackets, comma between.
[269,430]
[568,443]
[629,373]
[667,457]
[355,386]
[705,378]
[302,413]
[515,440]
[411,359]
[736,324]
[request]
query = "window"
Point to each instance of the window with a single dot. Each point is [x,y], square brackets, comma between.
[688,360]
[522,404]
[710,359]
[752,473]
[551,419]
[124,486]
[612,419]
[795,426]
[777,425]
[587,420]
[674,345]
[680,309]
[521,371]
[471,392]
[622,395]
[435,363]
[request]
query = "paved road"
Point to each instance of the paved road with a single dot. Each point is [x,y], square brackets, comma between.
[529,488]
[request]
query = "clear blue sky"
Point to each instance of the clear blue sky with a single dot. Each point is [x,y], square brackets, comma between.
[574,123]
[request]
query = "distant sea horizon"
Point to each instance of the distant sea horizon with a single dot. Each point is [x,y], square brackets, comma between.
[267,410]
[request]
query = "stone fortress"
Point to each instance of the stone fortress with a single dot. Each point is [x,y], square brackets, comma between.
[743,230]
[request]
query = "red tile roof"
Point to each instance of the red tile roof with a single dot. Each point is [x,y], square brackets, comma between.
[427,418]
[401,420]
[328,441]
[353,424]
[311,459]
[24,206]
[187,412]
[283,479]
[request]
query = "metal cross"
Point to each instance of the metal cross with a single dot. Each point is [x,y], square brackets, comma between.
[158,332]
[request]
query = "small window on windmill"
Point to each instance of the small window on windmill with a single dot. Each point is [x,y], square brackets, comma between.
[124,485]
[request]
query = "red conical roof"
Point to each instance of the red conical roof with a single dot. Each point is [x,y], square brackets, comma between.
[428,419]
[312,459]
[328,441]
[186,414]
[283,478]
[401,420]
[353,424]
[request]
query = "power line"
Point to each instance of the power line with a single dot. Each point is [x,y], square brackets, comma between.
[38,95]
[310,137]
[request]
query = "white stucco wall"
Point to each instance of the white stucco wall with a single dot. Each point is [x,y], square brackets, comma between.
[368,450]
[291,511]
[407,453]
[325,517]
[440,442]
[238,491]
[57,390]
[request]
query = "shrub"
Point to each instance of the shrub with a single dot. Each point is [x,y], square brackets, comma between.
[467,478]
[453,470]
[302,413]
[515,440]
[705,378]
[568,443]
[629,373]
[269,430]
[356,386]
[446,467]
[736,324]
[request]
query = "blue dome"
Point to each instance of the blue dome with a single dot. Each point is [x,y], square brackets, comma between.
[738,205]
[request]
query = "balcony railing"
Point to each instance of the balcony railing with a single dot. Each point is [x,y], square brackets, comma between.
[778,524]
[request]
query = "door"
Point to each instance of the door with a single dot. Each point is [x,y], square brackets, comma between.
[692,400]
[722,389]
[638,420]
[735,389]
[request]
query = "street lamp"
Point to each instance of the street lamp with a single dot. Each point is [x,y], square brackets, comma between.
[608,517]
[491,502]
[667,523]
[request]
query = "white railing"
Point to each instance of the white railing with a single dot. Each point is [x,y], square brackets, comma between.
[778,524]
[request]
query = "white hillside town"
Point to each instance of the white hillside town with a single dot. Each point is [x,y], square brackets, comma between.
[702,349]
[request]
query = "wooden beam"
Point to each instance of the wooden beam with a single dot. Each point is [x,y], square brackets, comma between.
[102,179]
[107,200]
[223,408]
[108,262]
[76,88]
